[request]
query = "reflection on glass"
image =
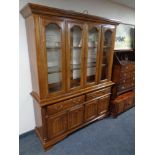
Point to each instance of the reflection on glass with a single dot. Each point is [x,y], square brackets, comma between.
[106,54]
[92,54]
[75,56]
[53,48]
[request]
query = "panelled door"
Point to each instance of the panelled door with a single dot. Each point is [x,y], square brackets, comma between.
[106,54]
[103,104]
[92,50]
[76,116]
[91,110]
[57,125]
[75,54]
[53,35]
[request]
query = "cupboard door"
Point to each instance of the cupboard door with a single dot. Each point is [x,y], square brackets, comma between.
[75,48]
[106,55]
[54,47]
[76,116]
[57,125]
[103,105]
[90,110]
[92,52]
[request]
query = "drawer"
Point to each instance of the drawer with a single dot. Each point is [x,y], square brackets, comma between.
[128,67]
[129,102]
[127,75]
[122,103]
[125,86]
[53,109]
[128,80]
[99,93]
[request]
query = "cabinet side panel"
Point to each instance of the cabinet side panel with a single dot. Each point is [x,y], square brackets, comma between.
[38,117]
[30,29]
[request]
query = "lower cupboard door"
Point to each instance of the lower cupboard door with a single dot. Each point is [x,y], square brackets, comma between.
[91,110]
[57,125]
[103,105]
[76,116]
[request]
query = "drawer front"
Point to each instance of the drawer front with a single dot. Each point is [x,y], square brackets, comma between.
[129,102]
[128,67]
[53,109]
[127,75]
[99,93]
[122,102]
[125,86]
[130,80]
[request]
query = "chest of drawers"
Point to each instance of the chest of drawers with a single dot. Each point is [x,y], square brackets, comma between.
[123,73]
[123,76]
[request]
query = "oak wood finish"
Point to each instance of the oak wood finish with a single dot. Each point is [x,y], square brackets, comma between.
[123,75]
[122,103]
[61,112]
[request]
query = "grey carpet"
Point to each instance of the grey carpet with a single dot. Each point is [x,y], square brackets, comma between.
[105,137]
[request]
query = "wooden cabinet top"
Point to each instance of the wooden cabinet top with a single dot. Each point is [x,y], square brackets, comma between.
[30,9]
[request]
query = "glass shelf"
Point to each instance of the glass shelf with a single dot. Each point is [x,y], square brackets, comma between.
[53,48]
[92,47]
[54,69]
[77,66]
[107,46]
[76,47]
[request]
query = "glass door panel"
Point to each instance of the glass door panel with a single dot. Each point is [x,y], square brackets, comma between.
[53,48]
[93,40]
[75,56]
[107,44]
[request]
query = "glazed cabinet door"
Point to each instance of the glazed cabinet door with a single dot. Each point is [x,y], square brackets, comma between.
[53,34]
[90,110]
[106,54]
[92,53]
[57,125]
[76,116]
[75,51]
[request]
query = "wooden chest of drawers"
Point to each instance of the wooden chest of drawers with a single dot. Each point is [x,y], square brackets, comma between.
[122,103]
[123,74]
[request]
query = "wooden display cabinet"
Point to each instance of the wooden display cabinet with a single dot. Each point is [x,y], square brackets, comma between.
[71,56]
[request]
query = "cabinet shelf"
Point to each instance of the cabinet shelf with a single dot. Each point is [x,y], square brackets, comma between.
[54,86]
[54,69]
[77,66]
[49,49]
[92,47]
[107,46]
[76,47]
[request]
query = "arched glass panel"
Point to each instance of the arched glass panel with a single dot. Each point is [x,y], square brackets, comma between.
[106,54]
[53,48]
[75,56]
[92,54]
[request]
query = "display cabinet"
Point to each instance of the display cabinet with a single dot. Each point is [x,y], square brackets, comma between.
[71,56]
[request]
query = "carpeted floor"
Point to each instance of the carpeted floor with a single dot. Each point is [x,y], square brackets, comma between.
[105,137]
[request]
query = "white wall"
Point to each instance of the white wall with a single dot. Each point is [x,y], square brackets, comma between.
[101,8]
